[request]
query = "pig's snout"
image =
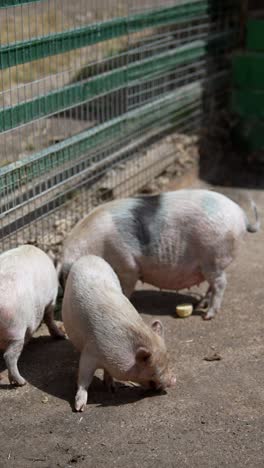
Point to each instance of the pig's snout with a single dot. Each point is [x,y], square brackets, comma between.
[172,381]
[169,382]
[162,385]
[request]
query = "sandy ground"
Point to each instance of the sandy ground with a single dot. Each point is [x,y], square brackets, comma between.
[213,418]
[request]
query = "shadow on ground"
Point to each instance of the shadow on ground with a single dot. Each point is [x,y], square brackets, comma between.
[51,365]
[152,302]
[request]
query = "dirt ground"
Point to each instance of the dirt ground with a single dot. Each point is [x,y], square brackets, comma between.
[214,417]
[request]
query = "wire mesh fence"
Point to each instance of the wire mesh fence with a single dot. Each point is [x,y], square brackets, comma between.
[89,92]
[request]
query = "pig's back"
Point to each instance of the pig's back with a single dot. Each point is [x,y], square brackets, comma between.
[202,213]
[193,219]
[28,282]
[27,271]
[89,281]
[94,309]
[88,237]
[142,221]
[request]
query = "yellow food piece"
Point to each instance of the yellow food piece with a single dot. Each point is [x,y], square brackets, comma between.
[184,310]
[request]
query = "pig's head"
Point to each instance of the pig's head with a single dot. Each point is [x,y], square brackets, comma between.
[151,369]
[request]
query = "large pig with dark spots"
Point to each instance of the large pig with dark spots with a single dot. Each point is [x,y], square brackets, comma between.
[28,292]
[174,240]
[109,333]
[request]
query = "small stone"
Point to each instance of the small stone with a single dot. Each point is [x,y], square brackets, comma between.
[213,357]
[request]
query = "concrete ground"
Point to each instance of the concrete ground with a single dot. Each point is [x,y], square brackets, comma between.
[214,417]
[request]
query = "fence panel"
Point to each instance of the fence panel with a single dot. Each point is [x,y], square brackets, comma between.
[86,88]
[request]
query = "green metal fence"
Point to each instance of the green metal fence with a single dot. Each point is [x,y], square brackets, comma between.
[86,86]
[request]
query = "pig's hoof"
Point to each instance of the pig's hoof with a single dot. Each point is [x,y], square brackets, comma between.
[111,387]
[79,407]
[109,382]
[80,400]
[202,306]
[208,316]
[58,334]
[19,381]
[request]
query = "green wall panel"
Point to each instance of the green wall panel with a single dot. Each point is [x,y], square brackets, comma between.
[249,103]
[248,70]
[255,34]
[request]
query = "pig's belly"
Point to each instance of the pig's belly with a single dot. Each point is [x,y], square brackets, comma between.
[5,337]
[169,277]
[8,331]
[3,344]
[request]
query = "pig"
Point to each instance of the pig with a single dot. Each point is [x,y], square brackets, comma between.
[28,292]
[109,333]
[174,240]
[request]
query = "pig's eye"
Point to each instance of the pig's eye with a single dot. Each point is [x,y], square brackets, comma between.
[152,384]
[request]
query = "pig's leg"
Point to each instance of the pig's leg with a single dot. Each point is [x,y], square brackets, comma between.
[128,282]
[217,283]
[11,357]
[128,288]
[49,321]
[205,301]
[128,274]
[109,381]
[87,368]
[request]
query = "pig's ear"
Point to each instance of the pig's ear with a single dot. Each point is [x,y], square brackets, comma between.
[157,327]
[142,354]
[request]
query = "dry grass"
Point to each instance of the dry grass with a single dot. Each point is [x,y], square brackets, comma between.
[25,26]
[25,23]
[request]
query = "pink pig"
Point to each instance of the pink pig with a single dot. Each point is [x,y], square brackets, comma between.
[109,333]
[28,292]
[174,240]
